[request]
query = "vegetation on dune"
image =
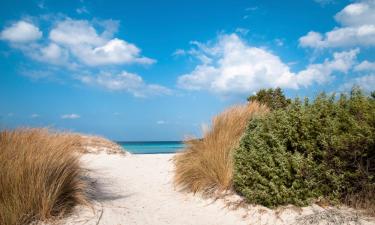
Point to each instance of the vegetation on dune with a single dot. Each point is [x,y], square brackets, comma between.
[40,175]
[300,152]
[97,144]
[272,98]
[310,150]
[206,164]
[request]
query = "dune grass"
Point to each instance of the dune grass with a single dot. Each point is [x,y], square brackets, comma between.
[40,175]
[97,144]
[206,164]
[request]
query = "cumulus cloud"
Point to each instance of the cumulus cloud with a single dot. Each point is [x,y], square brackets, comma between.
[71,32]
[52,54]
[92,48]
[366,82]
[357,14]
[357,22]
[231,66]
[115,51]
[70,116]
[82,45]
[76,42]
[340,37]
[321,73]
[21,32]
[365,66]
[125,81]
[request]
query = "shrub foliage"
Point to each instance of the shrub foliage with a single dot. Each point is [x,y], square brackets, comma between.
[309,150]
[273,98]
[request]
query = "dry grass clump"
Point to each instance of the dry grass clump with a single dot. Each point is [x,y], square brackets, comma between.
[206,165]
[364,201]
[40,175]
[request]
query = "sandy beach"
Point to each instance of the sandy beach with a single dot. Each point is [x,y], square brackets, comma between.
[138,189]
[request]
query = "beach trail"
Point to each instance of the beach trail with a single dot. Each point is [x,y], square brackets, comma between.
[138,189]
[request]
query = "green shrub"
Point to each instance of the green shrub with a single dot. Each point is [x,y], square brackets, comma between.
[272,98]
[321,149]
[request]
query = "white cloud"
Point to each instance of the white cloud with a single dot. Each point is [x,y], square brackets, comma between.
[87,47]
[82,10]
[76,42]
[311,39]
[115,51]
[70,116]
[251,8]
[161,122]
[365,66]
[125,81]
[242,31]
[341,37]
[21,32]
[231,66]
[367,83]
[71,32]
[321,73]
[34,115]
[93,49]
[179,52]
[357,28]
[279,42]
[50,74]
[41,5]
[357,14]
[51,53]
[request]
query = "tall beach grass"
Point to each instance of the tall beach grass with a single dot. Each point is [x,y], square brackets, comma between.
[206,164]
[40,175]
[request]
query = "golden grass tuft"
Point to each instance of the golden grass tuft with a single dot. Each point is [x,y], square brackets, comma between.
[40,175]
[206,164]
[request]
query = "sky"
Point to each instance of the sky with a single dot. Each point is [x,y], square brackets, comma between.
[160,70]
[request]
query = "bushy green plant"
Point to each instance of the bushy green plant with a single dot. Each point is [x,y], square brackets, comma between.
[321,149]
[272,98]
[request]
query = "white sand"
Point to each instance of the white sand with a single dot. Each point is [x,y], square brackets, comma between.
[138,189]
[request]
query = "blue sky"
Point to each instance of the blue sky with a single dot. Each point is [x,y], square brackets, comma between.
[147,70]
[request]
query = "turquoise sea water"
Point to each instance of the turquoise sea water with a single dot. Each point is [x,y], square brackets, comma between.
[152,147]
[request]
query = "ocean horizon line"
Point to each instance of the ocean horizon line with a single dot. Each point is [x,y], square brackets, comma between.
[148,141]
[152,147]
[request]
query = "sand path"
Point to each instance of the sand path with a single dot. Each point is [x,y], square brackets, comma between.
[138,189]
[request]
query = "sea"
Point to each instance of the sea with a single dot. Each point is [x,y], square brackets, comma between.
[152,147]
